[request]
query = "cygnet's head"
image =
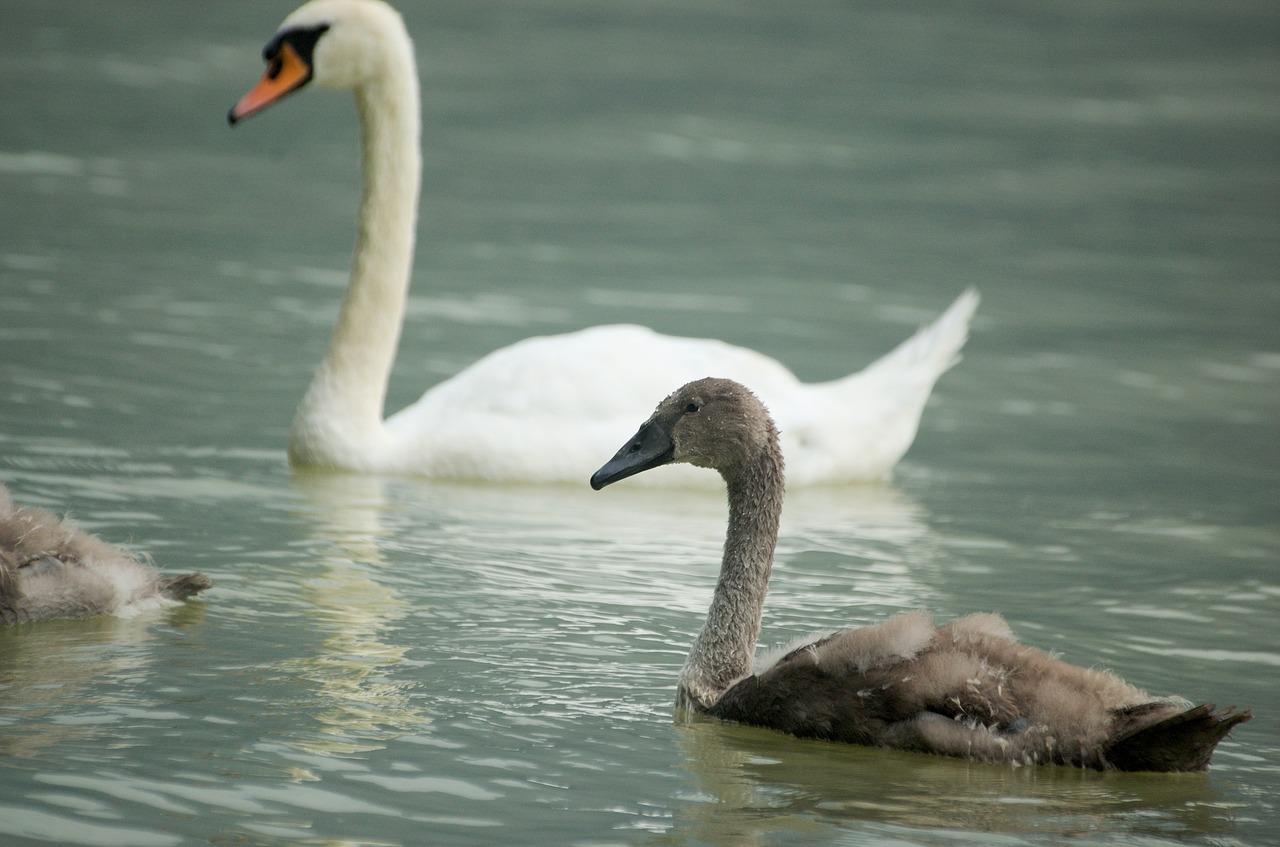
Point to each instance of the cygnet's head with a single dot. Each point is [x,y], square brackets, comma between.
[711,423]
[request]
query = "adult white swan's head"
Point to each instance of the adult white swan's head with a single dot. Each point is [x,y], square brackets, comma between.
[334,44]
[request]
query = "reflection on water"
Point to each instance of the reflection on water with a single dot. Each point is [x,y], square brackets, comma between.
[83,666]
[360,704]
[427,655]
[757,784]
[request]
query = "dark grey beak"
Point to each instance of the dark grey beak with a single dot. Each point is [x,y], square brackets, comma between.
[648,448]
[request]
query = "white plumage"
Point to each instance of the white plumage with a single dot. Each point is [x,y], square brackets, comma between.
[544,408]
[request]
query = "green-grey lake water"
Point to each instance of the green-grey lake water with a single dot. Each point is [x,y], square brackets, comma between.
[394,661]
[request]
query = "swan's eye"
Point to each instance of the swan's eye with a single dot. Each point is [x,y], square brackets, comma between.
[692,407]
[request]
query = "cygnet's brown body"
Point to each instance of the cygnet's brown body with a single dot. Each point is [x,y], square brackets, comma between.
[49,569]
[966,689]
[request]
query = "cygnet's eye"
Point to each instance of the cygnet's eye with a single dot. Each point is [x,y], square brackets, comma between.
[692,407]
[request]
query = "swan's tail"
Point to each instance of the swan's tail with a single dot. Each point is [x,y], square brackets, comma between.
[869,418]
[1182,742]
[182,587]
[935,347]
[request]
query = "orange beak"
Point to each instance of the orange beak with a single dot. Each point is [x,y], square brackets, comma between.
[286,72]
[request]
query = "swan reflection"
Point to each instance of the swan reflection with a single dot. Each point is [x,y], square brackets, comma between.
[361,703]
[58,668]
[756,784]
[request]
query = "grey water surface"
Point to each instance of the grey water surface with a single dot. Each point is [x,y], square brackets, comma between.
[391,661]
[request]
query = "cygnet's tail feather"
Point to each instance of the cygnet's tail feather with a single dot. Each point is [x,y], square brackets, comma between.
[935,346]
[182,587]
[1181,742]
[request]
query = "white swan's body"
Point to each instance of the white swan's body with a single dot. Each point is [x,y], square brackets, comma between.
[542,409]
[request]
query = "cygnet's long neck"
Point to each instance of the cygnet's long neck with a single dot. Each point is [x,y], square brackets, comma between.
[723,651]
[340,418]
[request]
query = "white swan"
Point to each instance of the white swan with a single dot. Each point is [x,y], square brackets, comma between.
[966,689]
[50,569]
[539,410]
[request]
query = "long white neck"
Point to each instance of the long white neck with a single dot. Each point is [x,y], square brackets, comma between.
[339,421]
[723,650]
